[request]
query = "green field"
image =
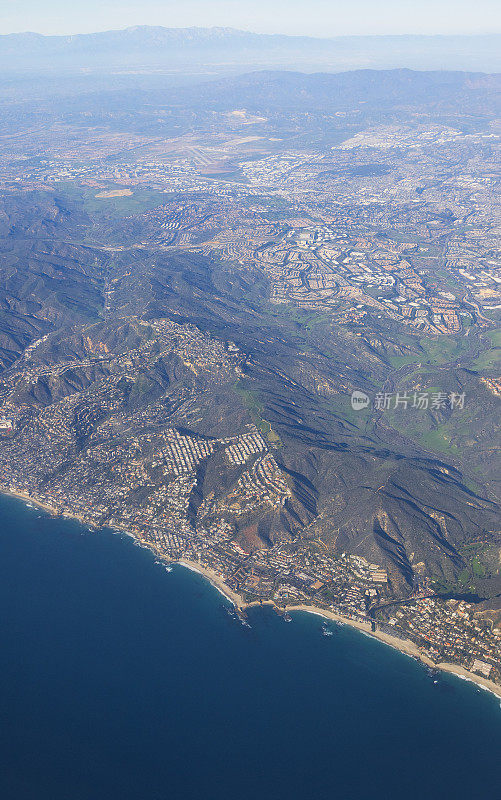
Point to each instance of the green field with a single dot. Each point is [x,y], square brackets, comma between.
[139,201]
[443,349]
[434,351]
[491,358]
[488,360]
[439,439]
[402,361]
[256,410]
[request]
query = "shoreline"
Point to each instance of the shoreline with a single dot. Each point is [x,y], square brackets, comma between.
[52,510]
[26,498]
[213,578]
[404,646]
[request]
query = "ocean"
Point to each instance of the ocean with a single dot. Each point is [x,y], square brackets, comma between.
[121,681]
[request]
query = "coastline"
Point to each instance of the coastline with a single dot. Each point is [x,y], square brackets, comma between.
[405,646]
[213,578]
[26,498]
[52,510]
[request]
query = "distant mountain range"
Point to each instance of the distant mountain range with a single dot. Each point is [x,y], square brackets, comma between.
[157,49]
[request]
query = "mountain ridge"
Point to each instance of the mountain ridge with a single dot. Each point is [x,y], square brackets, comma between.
[157,47]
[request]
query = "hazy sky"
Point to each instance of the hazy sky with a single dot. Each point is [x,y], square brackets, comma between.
[310,17]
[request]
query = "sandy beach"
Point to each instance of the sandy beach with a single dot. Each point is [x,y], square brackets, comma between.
[403,645]
[53,510]
[213,578]
[28,499]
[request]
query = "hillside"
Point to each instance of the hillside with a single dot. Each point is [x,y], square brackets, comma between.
[224,49]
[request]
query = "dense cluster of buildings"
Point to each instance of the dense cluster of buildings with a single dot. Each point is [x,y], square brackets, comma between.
[351,229]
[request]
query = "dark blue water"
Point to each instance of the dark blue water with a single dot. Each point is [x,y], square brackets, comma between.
[119,681]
